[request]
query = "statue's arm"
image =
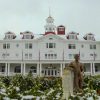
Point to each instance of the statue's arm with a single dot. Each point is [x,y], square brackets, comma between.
[82,69]
[70,66]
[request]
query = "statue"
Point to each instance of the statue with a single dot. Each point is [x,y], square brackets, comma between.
[72,78]
[77,69]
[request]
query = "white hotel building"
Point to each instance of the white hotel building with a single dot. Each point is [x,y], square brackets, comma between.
[49,53]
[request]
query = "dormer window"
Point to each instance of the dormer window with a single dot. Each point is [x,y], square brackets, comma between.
[27,35]
[72,35]
[89,36]
[10,35]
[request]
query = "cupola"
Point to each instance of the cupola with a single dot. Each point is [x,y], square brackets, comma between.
[61,30]
[49,27]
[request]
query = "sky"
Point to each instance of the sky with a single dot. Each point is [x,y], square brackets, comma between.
[81,16]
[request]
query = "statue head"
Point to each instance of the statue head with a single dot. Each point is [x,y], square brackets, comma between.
[77,57]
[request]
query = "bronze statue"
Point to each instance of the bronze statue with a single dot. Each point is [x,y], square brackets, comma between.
[77,69]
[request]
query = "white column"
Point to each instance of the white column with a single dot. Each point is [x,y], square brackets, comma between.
[40,70]
[61,66]
[37,69]
[24,69]
[91,68]
[8,69]
[21,68]
[5,69]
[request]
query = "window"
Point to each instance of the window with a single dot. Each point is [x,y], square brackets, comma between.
[50,56]
[33,69]
[61,29]
[90,37]
[17,54]
[71,36]
[26,56]
[50,38]
[45,56]
[8,54]
[4,46]
[50,29]
[8,36]
[72,46]
[12,36]
[92,46]
[50,45]
[96,68]
[8,46]
[82,46]
[55,56]
[46,45]
[71,56]
[28,45]
[30,56]
[3,55]
[27,36]
[17,45]
[17,69]
[2,68]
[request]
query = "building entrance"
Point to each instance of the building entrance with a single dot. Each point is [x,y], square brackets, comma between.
[50,72]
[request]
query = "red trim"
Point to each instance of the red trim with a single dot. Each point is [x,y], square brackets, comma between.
[49,33]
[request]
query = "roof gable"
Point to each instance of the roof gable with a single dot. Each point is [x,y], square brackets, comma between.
[49,36]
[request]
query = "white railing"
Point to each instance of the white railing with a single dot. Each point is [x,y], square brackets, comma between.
[13,73]
[87,73]
[3,73]
[97,73]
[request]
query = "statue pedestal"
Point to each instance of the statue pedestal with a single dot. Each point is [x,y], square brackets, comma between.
[67,83]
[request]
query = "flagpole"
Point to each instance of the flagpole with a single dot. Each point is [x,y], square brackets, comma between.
[39,65]
[63,55]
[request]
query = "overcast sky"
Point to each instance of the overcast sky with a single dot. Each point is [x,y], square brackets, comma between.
[81,16]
